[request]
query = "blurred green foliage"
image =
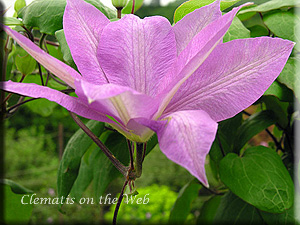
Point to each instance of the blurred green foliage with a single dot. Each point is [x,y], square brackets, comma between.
[156,211]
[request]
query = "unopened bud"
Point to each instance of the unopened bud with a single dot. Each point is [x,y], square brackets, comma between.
[119,3]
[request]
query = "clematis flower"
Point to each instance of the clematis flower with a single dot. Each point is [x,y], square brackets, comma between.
[144,76]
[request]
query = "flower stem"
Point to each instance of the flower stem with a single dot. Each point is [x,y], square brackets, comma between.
[119,203]
[123,169]
[139,159]
[119,12]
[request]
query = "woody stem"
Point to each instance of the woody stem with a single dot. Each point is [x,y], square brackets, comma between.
[123,169]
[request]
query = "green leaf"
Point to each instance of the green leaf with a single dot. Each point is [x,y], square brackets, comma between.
[45,15]
[85,175]
[191,5]
[55,52]
[255,21]
[289,77]
[104,171]
[212,173]
[258,31]
[14,212]
[16,188]
[151,143]
[278,108]
[282,24]
[108,12]
[60,36]
[285,218]
[225,4]
[259,178]
[32,78]
[229,128]
[12,21]
[182,206]
[26,64]
[127,9]
[233,210]
[19,4]
[280,91]
[227,132]
[209,210]
[252,126]
[236,31]
[248,15]
[42,107]
[271,5]
[70,163]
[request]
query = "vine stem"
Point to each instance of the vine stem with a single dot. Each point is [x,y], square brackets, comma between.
[39,65]
[48,42]
[119,203]
[31,37]
[20,103]
[66,91]
[43,41]
[133,4]
[10,94]
[262,19]
[220,144]
[123,169]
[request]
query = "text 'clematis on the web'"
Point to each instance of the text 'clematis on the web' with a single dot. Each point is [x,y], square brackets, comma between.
[144,76]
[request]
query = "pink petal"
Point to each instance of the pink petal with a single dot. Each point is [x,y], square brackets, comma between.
[191,58]
[61,70]
[83,25]
[120,102]
[190,25]
[70,103]
[137,53]
[233,77]
[185,138]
